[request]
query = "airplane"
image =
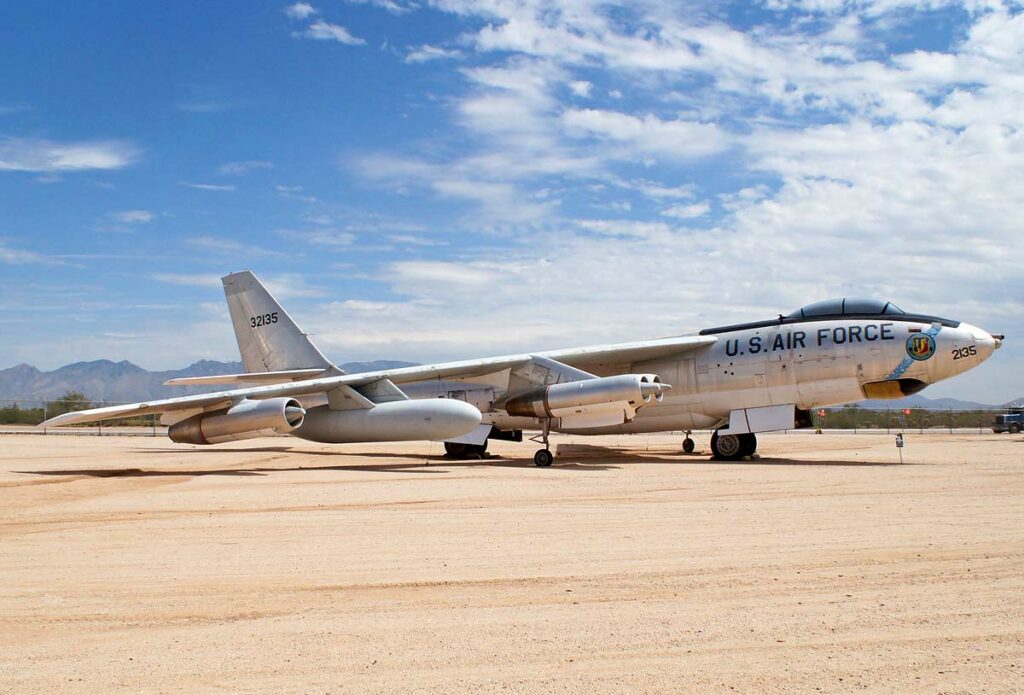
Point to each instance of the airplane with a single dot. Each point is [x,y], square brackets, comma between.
[735,380]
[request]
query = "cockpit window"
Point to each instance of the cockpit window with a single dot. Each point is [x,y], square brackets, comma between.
[826,307]
[860,305]
[848,306]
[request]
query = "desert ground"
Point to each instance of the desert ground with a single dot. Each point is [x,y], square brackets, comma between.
[131,564]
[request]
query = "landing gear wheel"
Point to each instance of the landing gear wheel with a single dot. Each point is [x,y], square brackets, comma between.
[543,458]
[733,447]
[459,450]
[456,450]
[688,446]
[726,447]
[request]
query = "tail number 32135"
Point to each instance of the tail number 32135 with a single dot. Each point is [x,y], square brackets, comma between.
[262,320]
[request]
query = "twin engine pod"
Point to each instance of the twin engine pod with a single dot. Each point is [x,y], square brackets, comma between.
[592,402]
[246,420]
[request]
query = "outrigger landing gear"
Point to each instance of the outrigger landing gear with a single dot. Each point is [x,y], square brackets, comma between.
[688,444]
[544,457]
[733,447]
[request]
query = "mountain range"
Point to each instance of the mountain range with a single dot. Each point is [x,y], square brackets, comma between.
[124,382]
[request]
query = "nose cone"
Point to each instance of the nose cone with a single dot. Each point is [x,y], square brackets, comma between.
[984,343]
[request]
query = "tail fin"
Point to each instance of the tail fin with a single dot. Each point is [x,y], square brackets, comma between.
[267,336]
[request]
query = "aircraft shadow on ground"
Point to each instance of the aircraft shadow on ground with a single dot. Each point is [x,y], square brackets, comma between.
[421,460]
[139,473]
[595,459]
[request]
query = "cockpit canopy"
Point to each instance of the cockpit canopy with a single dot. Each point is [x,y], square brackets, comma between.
[831,309]
[859,306]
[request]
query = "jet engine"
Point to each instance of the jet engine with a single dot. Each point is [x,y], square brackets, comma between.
[246,420]
[581,401]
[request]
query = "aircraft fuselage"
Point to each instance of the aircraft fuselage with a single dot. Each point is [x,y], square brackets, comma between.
[810,363]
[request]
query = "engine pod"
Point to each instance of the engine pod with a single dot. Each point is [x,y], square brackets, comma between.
[246,420]
[629,391]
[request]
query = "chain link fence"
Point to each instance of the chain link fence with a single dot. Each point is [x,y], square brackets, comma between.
[922,420]
[20,415]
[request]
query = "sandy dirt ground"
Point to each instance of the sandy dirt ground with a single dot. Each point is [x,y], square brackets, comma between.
[130,564]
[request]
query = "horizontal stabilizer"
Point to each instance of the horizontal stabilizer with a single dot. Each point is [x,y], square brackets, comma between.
[278,377]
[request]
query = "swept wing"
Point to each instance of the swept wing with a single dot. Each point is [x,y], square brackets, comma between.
[577,357]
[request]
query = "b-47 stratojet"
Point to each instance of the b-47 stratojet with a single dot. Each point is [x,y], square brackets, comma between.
[736,380]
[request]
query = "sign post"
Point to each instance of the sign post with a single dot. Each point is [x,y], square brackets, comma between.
[899,445]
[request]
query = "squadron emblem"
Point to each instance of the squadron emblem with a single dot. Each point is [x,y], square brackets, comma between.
[920,346]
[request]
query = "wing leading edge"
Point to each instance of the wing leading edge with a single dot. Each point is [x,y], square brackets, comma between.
[621,352]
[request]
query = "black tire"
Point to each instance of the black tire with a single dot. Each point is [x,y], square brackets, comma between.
[727,447]
[1015,428]
[456,450]
[543,458]
[748,444]
[688,445]
[460,450]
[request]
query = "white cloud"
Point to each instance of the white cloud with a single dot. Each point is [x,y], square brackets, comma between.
[209,280]
[290,286]
[282,286]
[415,240]
[300,10]
[394,7]
[581,88]
[294,193]
[228,246]
[209,186]
[132,216]
[427,53]
[20,154]
[647,134]
[686,212]
[245,167]
[658,191]
[319,236]
[321,30]
[13,256]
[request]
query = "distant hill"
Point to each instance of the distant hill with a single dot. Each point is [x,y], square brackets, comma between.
[126,382]
[919,401]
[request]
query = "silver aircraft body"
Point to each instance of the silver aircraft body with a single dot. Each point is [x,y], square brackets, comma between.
[736,380]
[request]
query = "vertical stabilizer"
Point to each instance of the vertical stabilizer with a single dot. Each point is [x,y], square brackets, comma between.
[268,338]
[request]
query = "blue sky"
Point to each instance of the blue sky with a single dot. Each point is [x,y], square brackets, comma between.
[435,180]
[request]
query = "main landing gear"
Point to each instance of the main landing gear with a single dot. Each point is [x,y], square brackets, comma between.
[732,447]
[543,457]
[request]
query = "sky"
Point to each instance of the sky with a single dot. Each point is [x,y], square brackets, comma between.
[424,180]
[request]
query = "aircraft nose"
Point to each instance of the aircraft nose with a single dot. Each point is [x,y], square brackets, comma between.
[984,342]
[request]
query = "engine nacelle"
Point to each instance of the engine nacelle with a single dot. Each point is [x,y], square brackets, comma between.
[246,420]
[396,421]
[624,392]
